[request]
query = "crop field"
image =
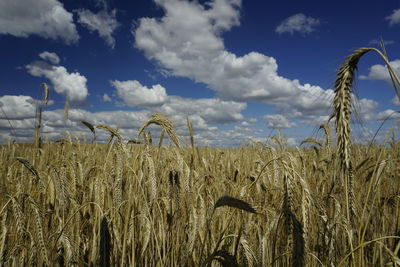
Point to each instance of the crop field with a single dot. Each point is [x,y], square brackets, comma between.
[82,204]
[77,202]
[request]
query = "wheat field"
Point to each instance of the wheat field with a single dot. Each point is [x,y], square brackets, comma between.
[326,203]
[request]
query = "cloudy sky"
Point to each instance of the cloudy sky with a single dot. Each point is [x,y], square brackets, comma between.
[239,69]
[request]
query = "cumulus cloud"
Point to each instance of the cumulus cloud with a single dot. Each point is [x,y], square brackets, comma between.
[45,18]
[195,50]
[278,121]
[211,110]
[71,85]
[365,108]
[227,138]
[106,98]
[310,102]
[380,72]
[317,121]
[298,23]
[388,113]
[103,22]
[54,125]
[394,18]
[50,57]
[18,107]
[134,93]
[117,118]
[202,112]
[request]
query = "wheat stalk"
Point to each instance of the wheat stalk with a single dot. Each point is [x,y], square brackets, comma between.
[112,131]
[91,128]
[328,135]
[21,226]
[66,110]
[46,93]
[164,123]
[311,140]
[60,180]
[29,166]
[39,232]
[248,252]
[118,170]
[342,111]
[342,105]
[3,236]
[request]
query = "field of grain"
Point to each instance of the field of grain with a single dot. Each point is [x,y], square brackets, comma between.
[325,203]
[86,204]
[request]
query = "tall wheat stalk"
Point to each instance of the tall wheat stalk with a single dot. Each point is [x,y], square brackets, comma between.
[38,116]
[342,113]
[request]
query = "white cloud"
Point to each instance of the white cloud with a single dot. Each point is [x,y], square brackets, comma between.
[278,121]
[310,101]
[394,18]
[319,120]
[380,72]
[106,98]
[195,50]
[205,114]
[389,113]
[211,110]
[103,22]
[365,108]
[223,15]
[226,138]
[298,23]
[250,131]
[46,18]
[116,118]
[54,125]
[50,57]
[71,85]
[19,127]
[135,94]
[18,107]
[128,122]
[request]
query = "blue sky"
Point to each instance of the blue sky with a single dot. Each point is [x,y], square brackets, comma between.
[239,69]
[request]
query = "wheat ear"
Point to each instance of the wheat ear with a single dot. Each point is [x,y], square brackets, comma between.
[328,136]
[165,124]
[342,111]
[342,105]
